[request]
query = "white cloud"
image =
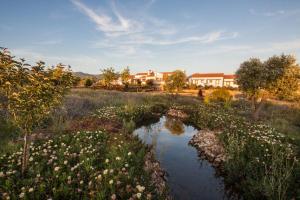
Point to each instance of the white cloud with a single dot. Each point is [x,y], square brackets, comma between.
[105,23]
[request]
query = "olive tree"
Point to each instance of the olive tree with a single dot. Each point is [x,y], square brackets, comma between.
[176,81]
[279,75]
[31,93]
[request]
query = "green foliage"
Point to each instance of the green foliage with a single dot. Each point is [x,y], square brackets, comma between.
[260,161]
[278,76]
[176,81]
[221,95]
[125,76]
[31,93]
[88,82]
[84,165]
[108,76]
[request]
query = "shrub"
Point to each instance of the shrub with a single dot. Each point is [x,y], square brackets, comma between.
[219,96]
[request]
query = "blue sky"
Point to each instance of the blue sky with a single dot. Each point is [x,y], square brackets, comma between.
[163,35]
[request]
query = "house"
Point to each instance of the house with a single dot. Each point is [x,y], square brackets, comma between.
[158,78]
[213,79]
[229,81]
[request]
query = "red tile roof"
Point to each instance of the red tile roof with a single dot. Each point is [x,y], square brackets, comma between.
[229,76]
[198,75]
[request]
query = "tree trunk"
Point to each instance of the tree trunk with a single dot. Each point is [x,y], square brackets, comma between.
[25,153]
[253,103]
[258,109]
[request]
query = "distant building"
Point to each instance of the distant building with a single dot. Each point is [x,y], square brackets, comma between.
[158,78]
[213,79]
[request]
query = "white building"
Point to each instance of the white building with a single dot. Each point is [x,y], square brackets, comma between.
[213,79]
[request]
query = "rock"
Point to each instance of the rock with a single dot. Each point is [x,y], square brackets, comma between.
[177,113]
[209,147]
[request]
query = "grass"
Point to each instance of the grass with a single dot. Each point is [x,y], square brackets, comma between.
[257,152]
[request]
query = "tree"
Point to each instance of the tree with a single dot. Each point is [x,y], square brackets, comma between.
[31,94]
[88,82]
[176,81]
[272,77]
[150,82]
[125,76]
[108,76]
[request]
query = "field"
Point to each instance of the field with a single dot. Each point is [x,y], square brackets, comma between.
[85,149]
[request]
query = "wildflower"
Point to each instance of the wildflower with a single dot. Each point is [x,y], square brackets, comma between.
[2,174]
[30,190]
[129,153]
[65,162]
[126,165]
[99,177]
[107,160]
[140,188]
[81,182]
[22,195]
[31,159]
[113,197]
[105,171]
[138,195]
[56,169]
[118,158]
[111,182]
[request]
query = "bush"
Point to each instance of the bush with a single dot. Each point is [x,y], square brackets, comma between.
[219,96]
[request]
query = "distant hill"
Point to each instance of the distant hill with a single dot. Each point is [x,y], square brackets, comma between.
[86,75]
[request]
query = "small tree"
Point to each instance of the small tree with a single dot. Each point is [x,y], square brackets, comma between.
[150,82]
[31,93]
[176,81]
[125,76]
[108,76]
[88,82]
[260,80]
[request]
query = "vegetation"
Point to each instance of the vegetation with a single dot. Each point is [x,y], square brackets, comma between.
[125,76]
[30,94]
[176,81]
[219,96]
[88,82]
[278,76]
[108,76]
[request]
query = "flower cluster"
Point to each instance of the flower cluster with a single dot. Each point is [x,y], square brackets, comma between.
[84,165]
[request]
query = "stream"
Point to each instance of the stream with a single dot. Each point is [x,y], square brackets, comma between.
[189,177]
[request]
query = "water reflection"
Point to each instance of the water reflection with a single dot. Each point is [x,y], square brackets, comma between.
[189,177]
[175,126]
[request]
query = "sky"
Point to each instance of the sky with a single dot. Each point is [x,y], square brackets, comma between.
[162,35]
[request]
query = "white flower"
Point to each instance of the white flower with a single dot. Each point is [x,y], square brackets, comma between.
[129,153]
[22,195]
[99,177]
[126,165]
[30,190]
[81,182]
[138,195]
[107,160]
[31,159]
[2,174]
[56,169]
[140,188]
[118,158]
[65,162]
[111,182]
[105,171]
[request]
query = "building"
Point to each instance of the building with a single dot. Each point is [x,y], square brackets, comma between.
[213,79]
[158,78]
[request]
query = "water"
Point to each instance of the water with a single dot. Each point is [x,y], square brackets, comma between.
[189,177]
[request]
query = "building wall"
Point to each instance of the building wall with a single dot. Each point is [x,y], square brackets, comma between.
[207,81]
